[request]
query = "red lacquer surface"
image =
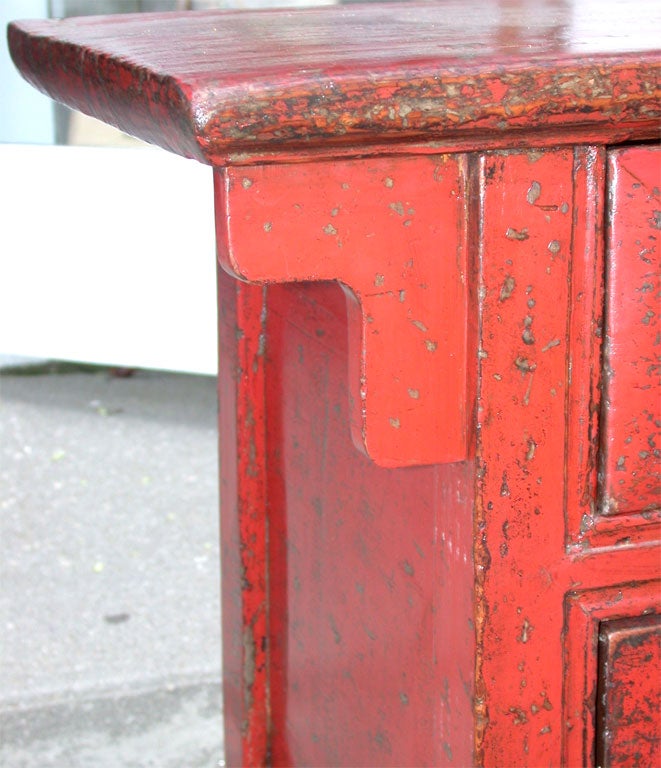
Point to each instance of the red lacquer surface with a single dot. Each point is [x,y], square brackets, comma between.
[629,706]
[496,525]
[631,439]
[536,664]
[223,86]
[586,709]
[415,210]
[392,231]
[244,522]
[363,568]
[526,248]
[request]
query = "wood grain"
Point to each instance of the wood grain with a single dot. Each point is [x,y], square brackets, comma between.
[222,85]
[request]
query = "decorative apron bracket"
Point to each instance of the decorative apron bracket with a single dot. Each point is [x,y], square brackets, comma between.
[392,232]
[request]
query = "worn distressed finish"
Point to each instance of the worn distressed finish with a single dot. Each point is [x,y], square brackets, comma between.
[586,712]
[224,86]
[628,701]
[244,522]
[525,254]
[360,601]
[631,449]
[437,334]
[393,232]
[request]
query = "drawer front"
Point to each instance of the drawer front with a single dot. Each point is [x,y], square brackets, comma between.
[612,683]
[630,447]
[629,695]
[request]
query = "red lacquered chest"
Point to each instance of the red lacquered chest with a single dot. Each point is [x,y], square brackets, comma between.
[438,230]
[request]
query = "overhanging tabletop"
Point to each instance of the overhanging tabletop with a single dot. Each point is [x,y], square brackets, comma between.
[220,85]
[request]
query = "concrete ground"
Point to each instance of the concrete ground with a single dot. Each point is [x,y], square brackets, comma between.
[109,570]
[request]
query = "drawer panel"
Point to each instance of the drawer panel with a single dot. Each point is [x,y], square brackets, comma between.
[630,444]
[629,696]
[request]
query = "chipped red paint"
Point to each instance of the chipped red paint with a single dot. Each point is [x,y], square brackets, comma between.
[537,455]
[629,707]
[415,208]
[392,231]
[221,86]
[587,611]
[521,450]
[244,523]
[585,332]
[367,567]
[631,428]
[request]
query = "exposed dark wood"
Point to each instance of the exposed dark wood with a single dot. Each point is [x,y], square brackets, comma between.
[216,85]
[629,692]
[435,598]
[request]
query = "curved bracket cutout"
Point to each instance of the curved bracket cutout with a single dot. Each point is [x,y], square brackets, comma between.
[392,231]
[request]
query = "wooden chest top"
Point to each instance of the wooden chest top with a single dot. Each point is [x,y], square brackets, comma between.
[221,85]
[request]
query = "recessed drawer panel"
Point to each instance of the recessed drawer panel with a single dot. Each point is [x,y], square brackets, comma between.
[629,695]
[630,442]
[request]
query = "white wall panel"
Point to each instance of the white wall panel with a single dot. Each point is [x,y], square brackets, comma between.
[107,256]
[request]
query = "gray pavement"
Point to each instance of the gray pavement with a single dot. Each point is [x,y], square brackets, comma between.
[109,570]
